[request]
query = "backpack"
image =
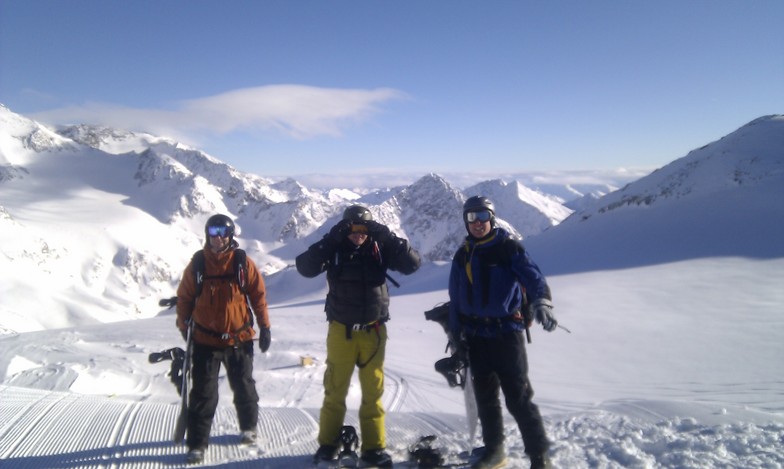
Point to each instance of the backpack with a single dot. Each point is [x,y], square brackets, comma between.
[240,273]
[500,254]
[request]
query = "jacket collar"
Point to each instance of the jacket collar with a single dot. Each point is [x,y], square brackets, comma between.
[495,235]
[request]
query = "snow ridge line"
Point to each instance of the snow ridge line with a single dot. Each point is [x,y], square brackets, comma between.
[122,428]
[401,391]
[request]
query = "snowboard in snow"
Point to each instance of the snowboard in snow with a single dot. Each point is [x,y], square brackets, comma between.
[424,455]
[472,412]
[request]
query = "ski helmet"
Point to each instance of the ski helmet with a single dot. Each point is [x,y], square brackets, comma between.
[220,221]
[357,213]
[478,203]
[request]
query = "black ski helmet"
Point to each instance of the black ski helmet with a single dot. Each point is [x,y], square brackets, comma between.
[478,203]
[357,213]
[219,220]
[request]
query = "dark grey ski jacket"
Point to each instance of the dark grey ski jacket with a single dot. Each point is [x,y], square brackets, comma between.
[357,275]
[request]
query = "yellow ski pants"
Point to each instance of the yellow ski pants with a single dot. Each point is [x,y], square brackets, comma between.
[365,347]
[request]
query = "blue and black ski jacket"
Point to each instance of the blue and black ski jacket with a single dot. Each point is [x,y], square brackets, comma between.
[486,285]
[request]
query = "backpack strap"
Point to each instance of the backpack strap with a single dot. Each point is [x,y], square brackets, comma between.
[499,254]
[240,275]
[198,272]
[241,269]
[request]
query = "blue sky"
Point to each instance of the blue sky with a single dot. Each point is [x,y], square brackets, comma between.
[283,88]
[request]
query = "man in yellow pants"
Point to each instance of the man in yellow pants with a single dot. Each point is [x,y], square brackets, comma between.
[356,254]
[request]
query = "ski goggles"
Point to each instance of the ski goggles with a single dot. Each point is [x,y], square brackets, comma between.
[362,229]
[481,216]
[222,231]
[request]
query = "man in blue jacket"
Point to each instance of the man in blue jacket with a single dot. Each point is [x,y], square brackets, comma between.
[491,277]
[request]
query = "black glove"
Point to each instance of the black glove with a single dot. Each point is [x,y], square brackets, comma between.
[339,232]
[378,232]
[265,338]
[543,313]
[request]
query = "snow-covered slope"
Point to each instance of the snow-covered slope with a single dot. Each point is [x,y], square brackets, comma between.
[642,381]
[724,199]
[671,290]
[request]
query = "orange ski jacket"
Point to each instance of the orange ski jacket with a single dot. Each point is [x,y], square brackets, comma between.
[220,312]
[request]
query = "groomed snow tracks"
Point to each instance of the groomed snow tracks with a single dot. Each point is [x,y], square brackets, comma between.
[48,429]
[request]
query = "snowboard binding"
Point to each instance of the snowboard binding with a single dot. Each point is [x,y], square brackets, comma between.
[349,443]
[454,367]
[424,455]
[177,357]
[454,370]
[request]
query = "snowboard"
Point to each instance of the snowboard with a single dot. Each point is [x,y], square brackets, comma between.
[456,368]
[182,418]
[472,412]
[180,372]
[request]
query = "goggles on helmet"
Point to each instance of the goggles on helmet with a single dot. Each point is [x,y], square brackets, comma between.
[482,216]
[221,231]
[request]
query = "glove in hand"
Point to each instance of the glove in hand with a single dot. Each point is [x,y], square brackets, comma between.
[265,339]
[543,313]
[339,232]
[378,232]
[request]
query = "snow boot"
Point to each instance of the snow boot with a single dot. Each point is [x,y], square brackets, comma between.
[195,456]
[376,458]
[248,437]
[325,453]
[540,461]
[492,458]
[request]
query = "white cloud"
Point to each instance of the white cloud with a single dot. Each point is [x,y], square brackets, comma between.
[294,111]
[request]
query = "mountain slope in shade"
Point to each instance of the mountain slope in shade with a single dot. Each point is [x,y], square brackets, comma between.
[725,199]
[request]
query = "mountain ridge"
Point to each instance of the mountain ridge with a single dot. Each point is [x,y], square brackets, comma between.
[723,199]
[133,216]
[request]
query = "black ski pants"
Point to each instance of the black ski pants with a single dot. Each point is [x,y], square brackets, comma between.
[204,394]
[500,363]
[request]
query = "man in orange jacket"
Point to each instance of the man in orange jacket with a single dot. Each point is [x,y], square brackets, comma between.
[222,333]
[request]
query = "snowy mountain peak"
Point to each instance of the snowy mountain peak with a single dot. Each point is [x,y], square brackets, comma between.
[110,140]
[429,214]
[21,138]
